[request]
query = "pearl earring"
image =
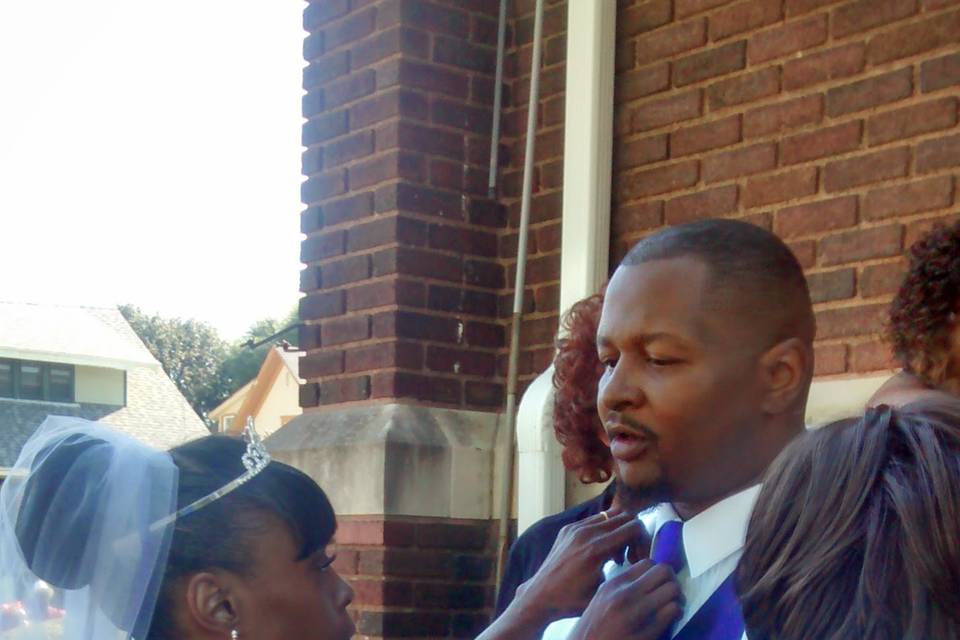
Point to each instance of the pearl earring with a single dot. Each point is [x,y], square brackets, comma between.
[234,635]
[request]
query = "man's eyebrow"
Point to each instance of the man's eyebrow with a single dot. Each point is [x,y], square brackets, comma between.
[660,335]
[645,338]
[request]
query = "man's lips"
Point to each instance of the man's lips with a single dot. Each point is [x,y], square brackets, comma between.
[627,443]
[627,448]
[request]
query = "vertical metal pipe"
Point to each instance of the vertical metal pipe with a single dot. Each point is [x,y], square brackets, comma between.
[497,99]
[506,469]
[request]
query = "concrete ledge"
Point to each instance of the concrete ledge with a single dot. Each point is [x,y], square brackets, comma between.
[396,459]
[838,398]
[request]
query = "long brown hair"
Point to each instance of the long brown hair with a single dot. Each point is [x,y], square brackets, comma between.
[856,533]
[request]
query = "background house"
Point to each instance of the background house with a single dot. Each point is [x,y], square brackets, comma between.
[85,362]
[271,399]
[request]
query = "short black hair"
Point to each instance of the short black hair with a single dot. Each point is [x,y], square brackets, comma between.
[752,272]
[923,312]
[222,535]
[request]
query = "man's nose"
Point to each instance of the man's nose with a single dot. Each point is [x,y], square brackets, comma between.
[619,388]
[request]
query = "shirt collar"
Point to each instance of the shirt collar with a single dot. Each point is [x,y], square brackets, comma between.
[712,535]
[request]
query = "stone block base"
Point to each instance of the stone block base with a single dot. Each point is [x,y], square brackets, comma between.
[413,488]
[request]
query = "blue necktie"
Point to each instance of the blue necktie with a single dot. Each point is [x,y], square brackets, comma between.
[668,546]
[720,617]
[668,549]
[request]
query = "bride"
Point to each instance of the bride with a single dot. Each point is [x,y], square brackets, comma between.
[208,540]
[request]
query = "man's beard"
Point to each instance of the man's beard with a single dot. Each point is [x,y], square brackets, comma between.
[637,499]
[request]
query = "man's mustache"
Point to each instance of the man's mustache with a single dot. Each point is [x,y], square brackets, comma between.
[618,418]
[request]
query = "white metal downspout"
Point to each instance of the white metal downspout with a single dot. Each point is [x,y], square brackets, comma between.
[585,248]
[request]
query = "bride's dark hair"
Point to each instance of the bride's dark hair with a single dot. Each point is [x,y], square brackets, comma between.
[222,534]
[855,532]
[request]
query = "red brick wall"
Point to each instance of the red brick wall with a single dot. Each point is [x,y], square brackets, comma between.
[402,269]
[833,123]
[415,577]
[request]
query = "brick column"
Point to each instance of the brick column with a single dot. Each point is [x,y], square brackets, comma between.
[402,276]
[401,329]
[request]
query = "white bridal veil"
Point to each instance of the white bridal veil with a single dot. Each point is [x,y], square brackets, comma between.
[86,510]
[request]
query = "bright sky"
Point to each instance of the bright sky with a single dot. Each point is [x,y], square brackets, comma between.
[150,154]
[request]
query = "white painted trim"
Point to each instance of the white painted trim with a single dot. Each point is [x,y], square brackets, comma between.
[587,149]
[84,360]
[585,245]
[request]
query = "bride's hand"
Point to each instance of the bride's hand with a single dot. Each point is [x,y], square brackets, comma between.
[572,571]
[639,604]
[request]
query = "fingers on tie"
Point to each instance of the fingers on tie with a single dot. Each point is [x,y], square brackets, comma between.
[640,568]
[661,621]
[656,610]
[603,521]
[664,593]
[609,519]
[619,532]
[657,575]
[628,577]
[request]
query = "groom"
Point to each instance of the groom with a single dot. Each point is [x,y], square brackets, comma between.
[706,335]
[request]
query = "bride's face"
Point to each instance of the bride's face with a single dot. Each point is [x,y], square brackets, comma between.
[290,598]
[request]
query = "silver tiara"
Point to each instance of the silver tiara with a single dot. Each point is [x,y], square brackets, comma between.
[255,459]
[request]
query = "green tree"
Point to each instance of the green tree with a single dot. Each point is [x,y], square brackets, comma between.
[205,368]
[191,353]
[242,363]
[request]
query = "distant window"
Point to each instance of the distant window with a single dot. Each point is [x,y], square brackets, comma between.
[36,381]
[228,422]
[61,383]
[6,379]
[31,381]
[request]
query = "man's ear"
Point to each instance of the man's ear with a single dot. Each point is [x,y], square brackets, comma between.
[212,604]
[785,369]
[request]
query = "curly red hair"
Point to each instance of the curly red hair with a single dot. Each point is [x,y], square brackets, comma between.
[576,373]
[925,308]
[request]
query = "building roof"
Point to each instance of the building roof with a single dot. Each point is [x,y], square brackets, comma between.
[252,395]
[155,413]
[91,336]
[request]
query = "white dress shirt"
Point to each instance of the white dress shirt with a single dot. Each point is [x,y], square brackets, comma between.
[712,542]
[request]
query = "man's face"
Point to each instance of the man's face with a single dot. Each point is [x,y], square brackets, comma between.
[680,395]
